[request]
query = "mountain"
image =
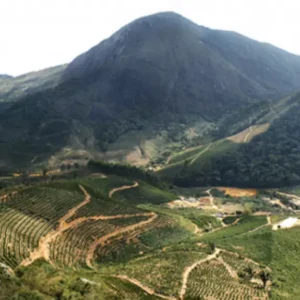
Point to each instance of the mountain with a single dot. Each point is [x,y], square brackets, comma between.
[159,84]
[12,88]
[5,77]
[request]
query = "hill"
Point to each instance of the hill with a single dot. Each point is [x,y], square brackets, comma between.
[263,155]
[12,88]
[159,84]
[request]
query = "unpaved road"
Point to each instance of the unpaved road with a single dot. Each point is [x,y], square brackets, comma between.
[211,198]
[122,188]
[248,134]
[198,155]
[145,288]
[189,269]
[103,239]
[229,269]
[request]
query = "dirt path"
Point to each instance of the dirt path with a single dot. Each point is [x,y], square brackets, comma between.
[211,199]
[197,156]
[229,269]
[248,134]
[189,269]
[289,195]
[145,288]
[122,188]
[103,239]
[72,211]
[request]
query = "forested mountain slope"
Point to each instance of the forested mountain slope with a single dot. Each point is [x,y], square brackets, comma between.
[162,78]
[270,159]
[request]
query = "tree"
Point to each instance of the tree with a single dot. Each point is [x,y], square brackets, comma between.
[211,247]
[45,171]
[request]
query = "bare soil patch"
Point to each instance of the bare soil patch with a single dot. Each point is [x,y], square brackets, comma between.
[249,133]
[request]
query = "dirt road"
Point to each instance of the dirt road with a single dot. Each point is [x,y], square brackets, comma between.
[103,239]
[229,269]
[211,199]
[198,155]
[189,269]
[122,188]
[248,134]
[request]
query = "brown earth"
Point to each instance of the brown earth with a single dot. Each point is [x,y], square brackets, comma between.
[248,134]
[237,192]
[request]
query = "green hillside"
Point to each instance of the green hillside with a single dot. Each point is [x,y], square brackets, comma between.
[98,237]
[269,159]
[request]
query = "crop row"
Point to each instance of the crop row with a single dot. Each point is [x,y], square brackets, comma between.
[19,234]
[211,280]
[46,203]
[70,249]
[239,264]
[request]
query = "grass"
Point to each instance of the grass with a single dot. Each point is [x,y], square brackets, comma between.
[245,225]
[144,194]
[125,290]
[211,280]
[162,271]
[197,158]
[186,154]
[161,233]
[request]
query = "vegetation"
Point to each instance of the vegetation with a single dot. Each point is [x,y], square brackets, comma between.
[127,171]
[211,279]
[268,160]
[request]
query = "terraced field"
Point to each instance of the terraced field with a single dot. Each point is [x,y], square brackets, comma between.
[20,234]
[50,222]
[120,238]
[211,280]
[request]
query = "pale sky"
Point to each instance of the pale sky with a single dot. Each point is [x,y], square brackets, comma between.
[36,34]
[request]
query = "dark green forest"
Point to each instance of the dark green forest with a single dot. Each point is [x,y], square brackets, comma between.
[271,159]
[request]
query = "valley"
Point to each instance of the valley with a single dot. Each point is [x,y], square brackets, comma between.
[121,237]
[163,163]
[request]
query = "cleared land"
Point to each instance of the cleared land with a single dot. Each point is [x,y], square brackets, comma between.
[248,134]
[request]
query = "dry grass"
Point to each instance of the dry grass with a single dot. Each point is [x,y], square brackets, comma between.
[248,134]
[237,192]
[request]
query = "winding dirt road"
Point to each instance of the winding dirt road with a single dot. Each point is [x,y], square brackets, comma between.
[103,239]
[122,188]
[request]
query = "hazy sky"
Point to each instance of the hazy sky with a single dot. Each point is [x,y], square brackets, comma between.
[36,34]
